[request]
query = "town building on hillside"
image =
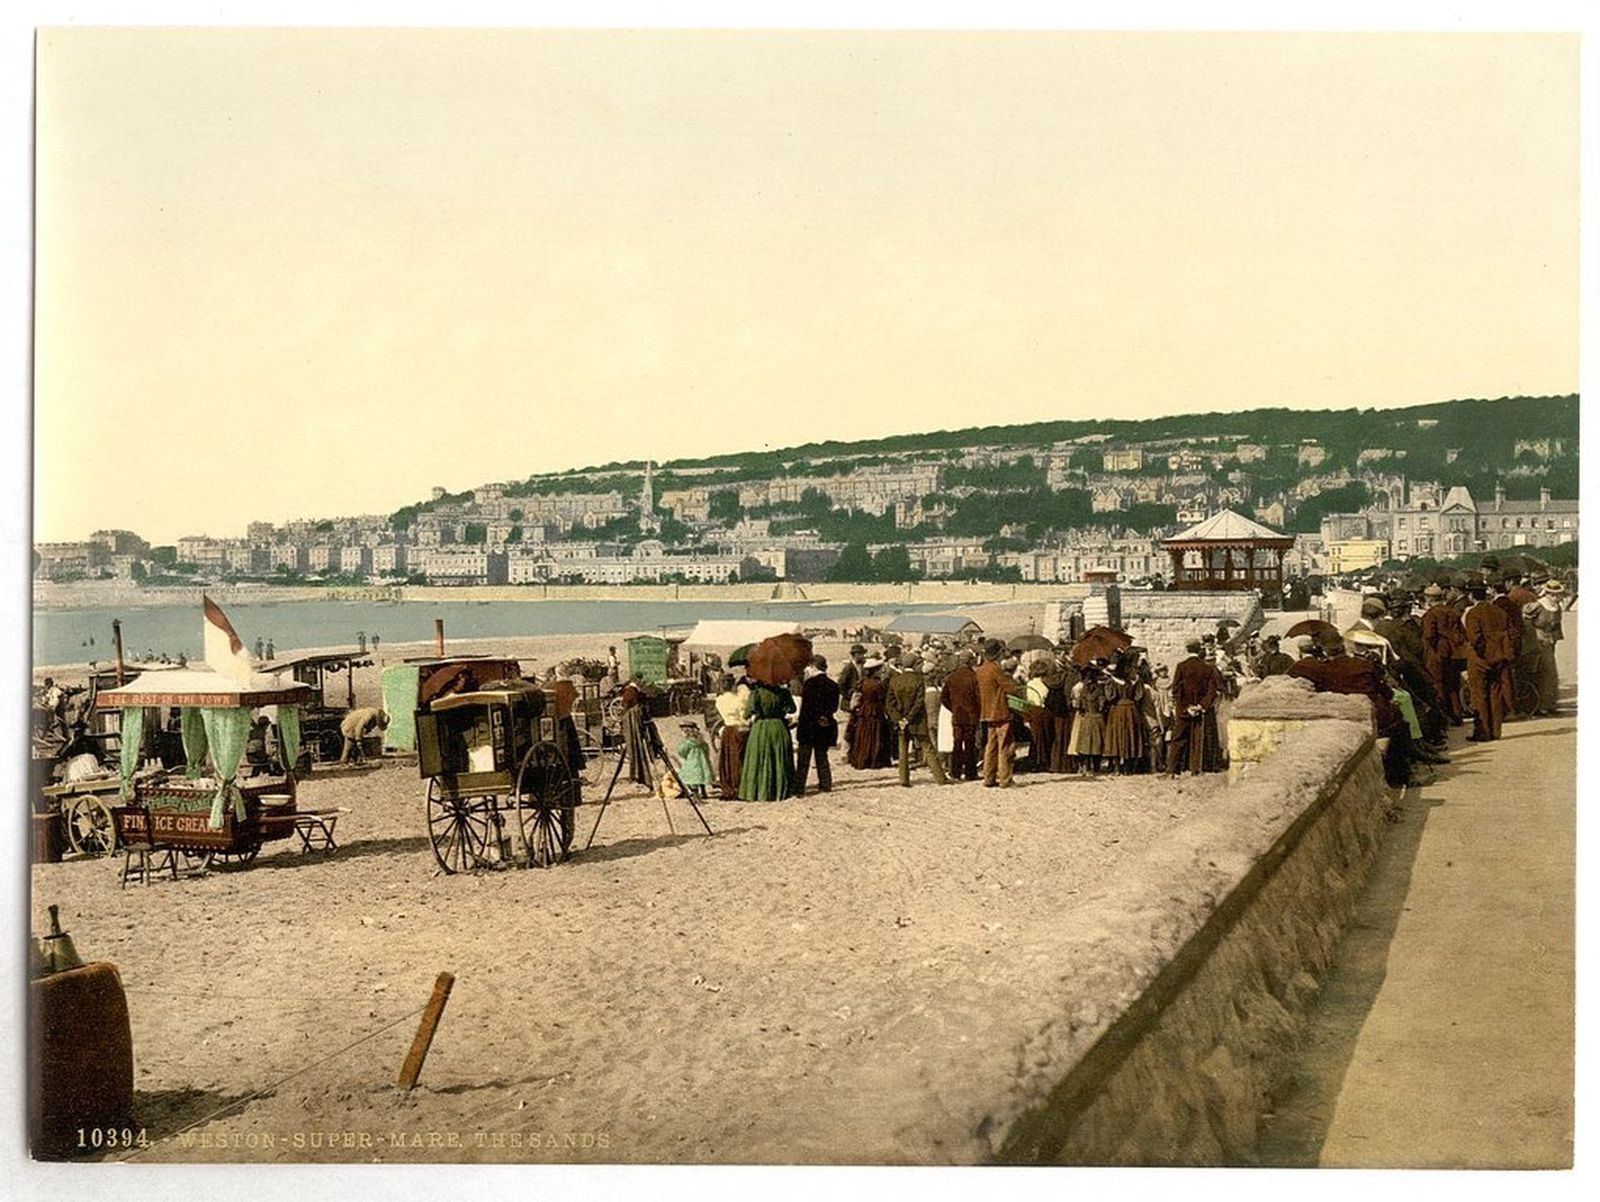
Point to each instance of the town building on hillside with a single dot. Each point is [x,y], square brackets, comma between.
[1122,459]
[1228,551]
[121,542]
[1356,554]
[67,561]
[1544,448]
[1506,525]
[1272,513]
[1249,452]
[1311,454]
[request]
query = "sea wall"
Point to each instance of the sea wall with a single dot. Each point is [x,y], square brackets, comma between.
[1185,983]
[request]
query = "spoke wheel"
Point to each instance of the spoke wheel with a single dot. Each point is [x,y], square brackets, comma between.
[458,828]
[197,858]
[240,856]
[1527,695]
[598,759]
[546,796]
[90,829]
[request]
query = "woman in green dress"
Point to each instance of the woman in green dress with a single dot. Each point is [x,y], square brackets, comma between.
[768,772]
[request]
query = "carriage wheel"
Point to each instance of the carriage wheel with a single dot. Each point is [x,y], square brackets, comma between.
[598,759]
[90,829]
[546,795]
[1527,691]
[242,856]
[611,712]
[458,829]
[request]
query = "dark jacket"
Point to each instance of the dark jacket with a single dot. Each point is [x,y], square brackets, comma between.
[960,696]
[1195,681]
[819,702]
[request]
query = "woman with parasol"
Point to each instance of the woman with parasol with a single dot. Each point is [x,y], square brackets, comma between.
[768,772]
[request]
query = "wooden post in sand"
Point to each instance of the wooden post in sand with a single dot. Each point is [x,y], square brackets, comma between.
[412,1068]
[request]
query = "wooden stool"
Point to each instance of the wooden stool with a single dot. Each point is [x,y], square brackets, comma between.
[153,858]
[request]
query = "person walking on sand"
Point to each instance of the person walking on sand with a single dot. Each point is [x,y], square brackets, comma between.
[995,686]
[906,707]
[768,771]
[1488,656]
[817,730]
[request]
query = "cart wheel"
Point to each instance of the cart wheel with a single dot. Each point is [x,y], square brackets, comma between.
[90,829]
[598,759]
[243,857]
[1527,691]
[546,796]
[330,746]
[458,828]
[611,712]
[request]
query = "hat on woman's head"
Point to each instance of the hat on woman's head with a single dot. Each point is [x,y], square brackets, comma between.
[1553,586]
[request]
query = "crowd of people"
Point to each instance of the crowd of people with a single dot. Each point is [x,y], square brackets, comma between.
[970,714]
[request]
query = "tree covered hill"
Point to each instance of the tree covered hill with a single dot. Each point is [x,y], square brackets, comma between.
[1480,432]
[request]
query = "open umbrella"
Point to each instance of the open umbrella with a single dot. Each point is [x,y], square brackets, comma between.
[1030,642]
[1311,628]
[741,655]
[778,660]
[1100,643]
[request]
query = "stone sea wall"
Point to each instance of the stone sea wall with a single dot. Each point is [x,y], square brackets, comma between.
[1186,983]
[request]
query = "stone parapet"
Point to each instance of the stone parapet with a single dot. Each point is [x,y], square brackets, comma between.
[1185,983]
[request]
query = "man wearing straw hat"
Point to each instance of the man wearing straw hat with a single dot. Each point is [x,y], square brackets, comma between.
[1544,617]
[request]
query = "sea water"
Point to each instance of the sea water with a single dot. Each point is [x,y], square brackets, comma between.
[62,636]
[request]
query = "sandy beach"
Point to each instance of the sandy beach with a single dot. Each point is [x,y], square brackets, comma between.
[841,977]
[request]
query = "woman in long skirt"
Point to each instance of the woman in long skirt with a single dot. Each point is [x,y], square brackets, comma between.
[1088,729]
[732,708]
[1058,702]
[1124,741]
[868,731]
[1041,727]
[768,773]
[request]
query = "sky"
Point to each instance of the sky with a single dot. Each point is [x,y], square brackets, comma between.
[302,273]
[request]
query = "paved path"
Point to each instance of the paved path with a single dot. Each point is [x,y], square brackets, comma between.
[1444,1036]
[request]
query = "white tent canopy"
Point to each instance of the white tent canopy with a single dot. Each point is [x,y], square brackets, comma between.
[721,632]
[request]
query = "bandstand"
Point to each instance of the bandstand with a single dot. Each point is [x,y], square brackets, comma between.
[1228,551]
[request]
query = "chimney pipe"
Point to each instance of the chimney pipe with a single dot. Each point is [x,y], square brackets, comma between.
[116,637]
[438,636]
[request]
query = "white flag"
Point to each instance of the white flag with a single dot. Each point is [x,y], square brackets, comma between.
[224,649]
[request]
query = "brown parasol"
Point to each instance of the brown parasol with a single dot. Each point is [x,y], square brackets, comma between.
[1030,642]
[778,660]
[1100,642]
[1312,628]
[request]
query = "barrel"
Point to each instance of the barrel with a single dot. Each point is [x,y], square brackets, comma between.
[49,839]
[82,1064]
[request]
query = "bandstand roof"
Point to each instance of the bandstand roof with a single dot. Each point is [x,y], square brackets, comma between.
[1227,526]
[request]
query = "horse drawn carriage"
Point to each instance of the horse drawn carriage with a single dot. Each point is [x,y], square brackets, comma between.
[506,765]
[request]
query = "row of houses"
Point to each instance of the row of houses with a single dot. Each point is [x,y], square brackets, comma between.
[1428,520]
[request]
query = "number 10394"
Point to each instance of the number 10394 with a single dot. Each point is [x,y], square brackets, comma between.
[112,1137]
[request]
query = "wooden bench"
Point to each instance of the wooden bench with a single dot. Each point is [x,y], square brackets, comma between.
[315,828]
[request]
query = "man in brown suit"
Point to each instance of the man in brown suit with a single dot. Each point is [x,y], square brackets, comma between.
[1507,680]
[1195,687]
[960,697]
[1443,643]
[994,686]
[1488,655]
[1337,672]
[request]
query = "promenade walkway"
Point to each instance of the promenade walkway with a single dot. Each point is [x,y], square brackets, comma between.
[1444,1035]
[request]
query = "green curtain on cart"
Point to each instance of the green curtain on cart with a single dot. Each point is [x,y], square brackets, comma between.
[289,735]
[195,744]
[132,735]
[227,731]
